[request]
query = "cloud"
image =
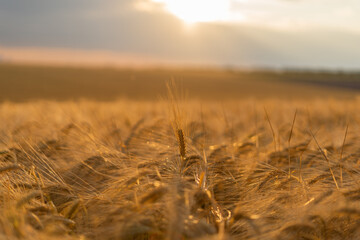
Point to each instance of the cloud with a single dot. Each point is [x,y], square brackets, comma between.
[80,24]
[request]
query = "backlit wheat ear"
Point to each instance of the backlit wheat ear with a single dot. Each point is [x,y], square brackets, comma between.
[8,168]
[298,231]
[59,219]
[34,221]
[238,215]
[323,196]
[153,196]
[182,147]
[201,179]
[73,209]
[27,198]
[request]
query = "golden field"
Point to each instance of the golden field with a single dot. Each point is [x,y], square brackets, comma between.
[23,83]
[218,154]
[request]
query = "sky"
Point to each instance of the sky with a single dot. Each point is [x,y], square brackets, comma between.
[231,33]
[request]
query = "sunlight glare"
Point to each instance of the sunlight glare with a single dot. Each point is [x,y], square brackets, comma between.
[193,11]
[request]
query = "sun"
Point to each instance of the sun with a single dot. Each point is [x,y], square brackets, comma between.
[194,11]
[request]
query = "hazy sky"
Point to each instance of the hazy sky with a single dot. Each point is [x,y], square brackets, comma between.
[255,33]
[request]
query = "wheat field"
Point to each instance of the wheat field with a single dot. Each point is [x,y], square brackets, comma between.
[178,168]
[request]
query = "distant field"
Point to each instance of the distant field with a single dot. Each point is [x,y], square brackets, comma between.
[22,83]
